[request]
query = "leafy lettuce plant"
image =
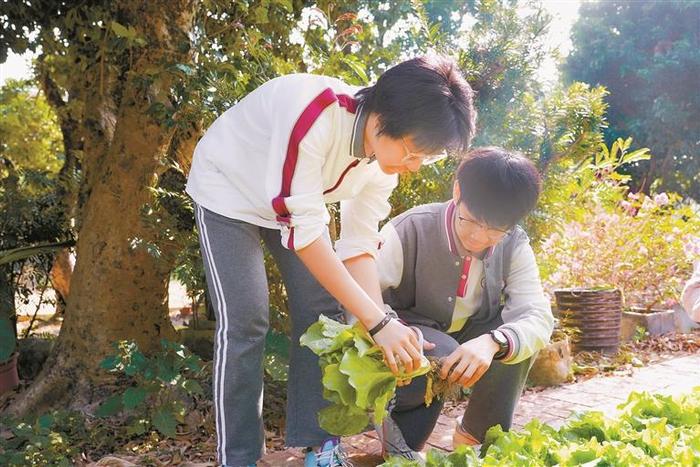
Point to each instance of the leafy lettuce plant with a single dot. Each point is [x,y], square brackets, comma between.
[650,430]
[355,377]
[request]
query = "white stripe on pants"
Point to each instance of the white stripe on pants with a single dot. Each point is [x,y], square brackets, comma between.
[236,278]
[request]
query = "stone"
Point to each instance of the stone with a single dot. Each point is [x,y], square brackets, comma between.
[655,322]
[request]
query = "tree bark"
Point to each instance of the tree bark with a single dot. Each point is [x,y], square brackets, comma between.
[118,289]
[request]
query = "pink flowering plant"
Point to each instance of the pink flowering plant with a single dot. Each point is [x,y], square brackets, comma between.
[642,244]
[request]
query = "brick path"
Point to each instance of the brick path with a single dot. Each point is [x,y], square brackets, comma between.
[551,406]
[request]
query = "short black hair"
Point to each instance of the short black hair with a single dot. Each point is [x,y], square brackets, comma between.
[425,97]
[498,187]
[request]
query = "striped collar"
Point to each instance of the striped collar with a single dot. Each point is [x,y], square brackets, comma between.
[357,140]
[452,239]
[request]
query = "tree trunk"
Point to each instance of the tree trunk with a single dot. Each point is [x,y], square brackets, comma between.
[61,274]
[118,289]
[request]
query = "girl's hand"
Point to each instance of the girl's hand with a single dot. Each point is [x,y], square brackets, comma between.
[399,344]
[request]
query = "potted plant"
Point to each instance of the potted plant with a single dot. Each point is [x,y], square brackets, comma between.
[9,377]
[655,321]
[640,244]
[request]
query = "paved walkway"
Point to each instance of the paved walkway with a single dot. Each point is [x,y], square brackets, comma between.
[551,406]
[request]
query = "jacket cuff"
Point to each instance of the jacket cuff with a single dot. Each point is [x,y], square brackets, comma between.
[297,237]
[350,248]
[513,344]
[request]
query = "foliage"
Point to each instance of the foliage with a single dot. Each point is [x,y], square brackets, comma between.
[30,158]
[647,54]
[498,53]
[49,440]
[612,237]
[355,377]
[160,386]
[463,456]
[32,225]
[22,253]
[30,138]
[650,430]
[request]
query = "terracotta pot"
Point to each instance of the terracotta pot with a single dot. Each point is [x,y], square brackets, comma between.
[9,378]
[596,313]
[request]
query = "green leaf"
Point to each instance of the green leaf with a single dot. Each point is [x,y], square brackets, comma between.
[17,254]
[120,30]
[192,387]
[286,4]
[276,366]
[110,363]
[463,456]
[356,66]
[137,363]
[261,15]
[326,336]
[314,339]
[166,372]
[331,396]
[111,406]
[635,156]
[365,375]
[365,346]
[164,421]
[138,427]
[46,421]
[132,397]
[332,328]
[336,381]
[382,395]
[340,420]
[423,369]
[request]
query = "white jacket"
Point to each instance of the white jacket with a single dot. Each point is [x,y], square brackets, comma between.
[284,151]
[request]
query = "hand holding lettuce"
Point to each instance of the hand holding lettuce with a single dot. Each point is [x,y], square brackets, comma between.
[355,377]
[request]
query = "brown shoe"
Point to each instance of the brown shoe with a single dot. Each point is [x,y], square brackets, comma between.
[462,438]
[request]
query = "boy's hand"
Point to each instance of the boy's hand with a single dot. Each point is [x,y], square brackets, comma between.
[468,363]
[399,344]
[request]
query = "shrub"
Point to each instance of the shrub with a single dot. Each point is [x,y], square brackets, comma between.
[608,236]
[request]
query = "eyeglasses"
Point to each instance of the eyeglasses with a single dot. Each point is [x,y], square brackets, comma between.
[491,232]
[424,160]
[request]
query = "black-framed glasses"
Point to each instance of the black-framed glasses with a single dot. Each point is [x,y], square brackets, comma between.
[492,233]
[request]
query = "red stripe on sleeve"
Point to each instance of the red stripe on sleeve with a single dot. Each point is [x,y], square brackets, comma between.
[302,126]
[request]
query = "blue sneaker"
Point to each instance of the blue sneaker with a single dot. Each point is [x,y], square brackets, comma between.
[330,454]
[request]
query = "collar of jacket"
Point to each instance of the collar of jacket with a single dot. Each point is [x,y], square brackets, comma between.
[357,140]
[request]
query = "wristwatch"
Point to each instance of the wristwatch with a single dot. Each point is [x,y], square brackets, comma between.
[503,344]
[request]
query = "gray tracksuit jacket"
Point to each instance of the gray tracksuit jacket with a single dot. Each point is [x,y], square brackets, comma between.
[426,281]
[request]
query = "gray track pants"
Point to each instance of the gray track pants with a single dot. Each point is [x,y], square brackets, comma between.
[492,401]
[235,275]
